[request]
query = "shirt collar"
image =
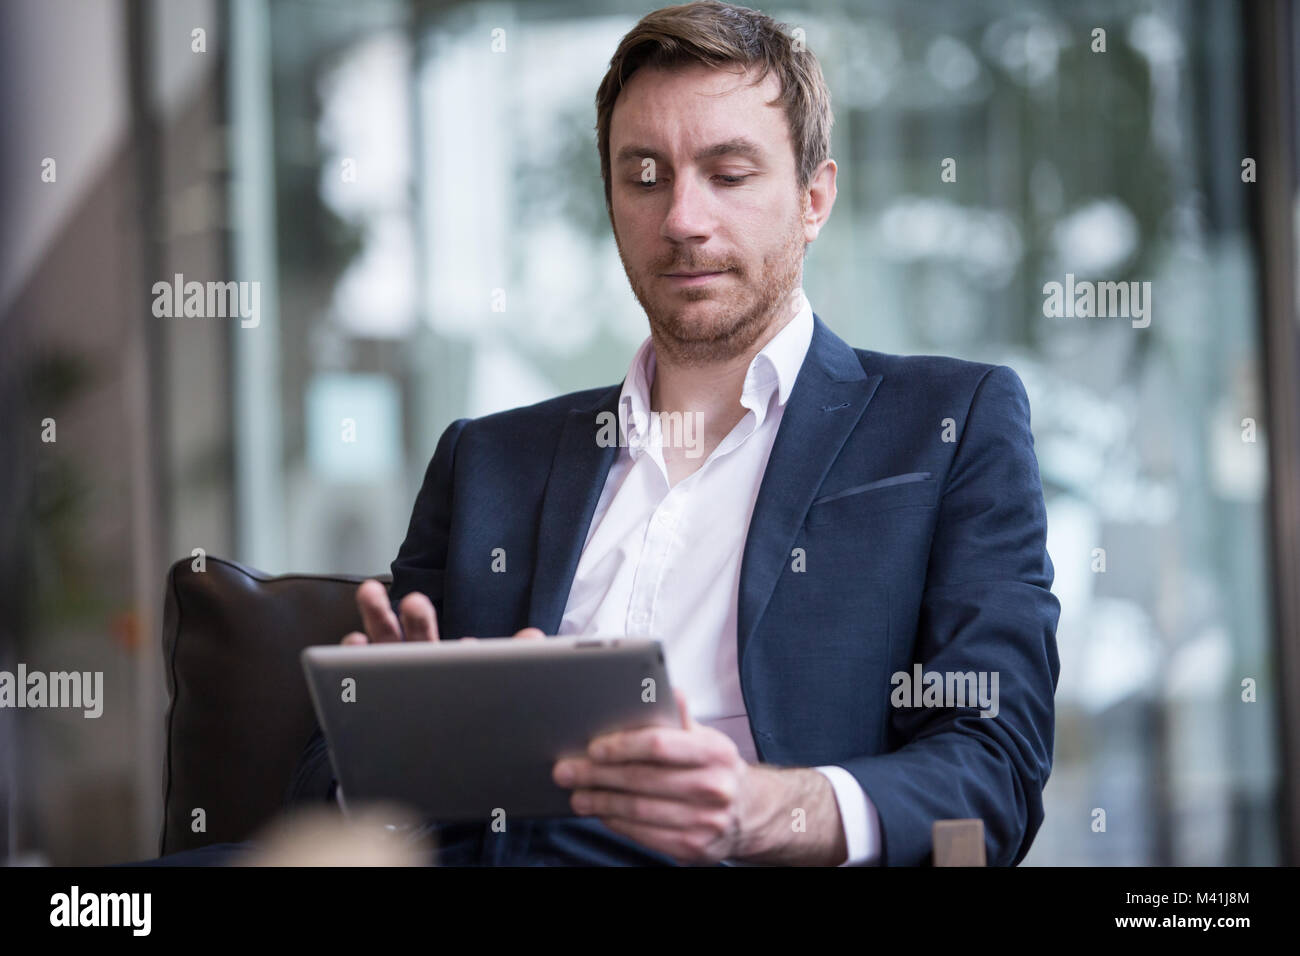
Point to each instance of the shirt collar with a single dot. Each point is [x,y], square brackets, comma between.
[772,370]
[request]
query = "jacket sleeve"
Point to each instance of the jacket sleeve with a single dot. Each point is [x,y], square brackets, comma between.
[421,561]
[420,565]
[986,607]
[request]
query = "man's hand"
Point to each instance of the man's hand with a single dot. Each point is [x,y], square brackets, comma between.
[689,794]
[418,621]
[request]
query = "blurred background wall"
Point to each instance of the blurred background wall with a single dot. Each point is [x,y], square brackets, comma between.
[415,189]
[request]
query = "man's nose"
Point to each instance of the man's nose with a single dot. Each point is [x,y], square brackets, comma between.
[690,211]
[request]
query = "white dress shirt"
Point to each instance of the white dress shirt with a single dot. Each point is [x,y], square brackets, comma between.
[663,561]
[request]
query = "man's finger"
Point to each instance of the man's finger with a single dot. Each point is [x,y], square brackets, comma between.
[639,808]
[662,745]
[356,637]
[377,615]
[702,786]
[419,620]
[528,633]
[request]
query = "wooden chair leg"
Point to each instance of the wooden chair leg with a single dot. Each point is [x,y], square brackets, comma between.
[958,842]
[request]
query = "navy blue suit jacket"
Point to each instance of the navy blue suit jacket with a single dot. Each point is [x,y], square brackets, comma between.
[910,484]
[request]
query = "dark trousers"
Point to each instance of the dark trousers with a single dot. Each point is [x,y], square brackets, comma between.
[572,841]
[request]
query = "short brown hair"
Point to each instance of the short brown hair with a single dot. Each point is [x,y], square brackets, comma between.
[717,34]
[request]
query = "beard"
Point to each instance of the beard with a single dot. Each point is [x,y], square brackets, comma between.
[743,308]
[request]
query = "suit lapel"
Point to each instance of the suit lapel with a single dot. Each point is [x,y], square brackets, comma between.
[573,489]
[829,396]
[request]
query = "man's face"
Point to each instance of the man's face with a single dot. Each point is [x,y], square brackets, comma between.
[720,198]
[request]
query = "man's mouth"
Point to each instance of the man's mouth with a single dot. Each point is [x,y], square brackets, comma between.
[693,278]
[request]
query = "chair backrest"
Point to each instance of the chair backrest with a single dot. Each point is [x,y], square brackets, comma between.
[239,714]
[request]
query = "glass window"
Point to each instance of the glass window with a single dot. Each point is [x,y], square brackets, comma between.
[441,249]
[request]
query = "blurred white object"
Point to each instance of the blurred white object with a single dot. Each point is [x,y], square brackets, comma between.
[378,835]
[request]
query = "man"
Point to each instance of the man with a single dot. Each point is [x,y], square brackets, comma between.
[841,521]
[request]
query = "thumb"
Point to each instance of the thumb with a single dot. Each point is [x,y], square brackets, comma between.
[688,722]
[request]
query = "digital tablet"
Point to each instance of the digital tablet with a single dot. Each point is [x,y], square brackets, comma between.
[471,730]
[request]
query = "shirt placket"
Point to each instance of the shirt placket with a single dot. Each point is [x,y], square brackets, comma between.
[656,550]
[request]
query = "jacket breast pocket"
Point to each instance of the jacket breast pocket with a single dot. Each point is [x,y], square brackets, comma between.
[913,490]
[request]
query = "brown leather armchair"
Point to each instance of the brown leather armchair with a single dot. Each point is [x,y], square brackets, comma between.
[239,714]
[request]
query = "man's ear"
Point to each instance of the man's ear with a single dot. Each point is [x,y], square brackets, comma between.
[819,200]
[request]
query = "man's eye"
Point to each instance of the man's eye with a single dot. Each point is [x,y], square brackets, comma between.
[727,180]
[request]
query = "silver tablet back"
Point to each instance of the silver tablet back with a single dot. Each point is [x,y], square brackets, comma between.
[467,730]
